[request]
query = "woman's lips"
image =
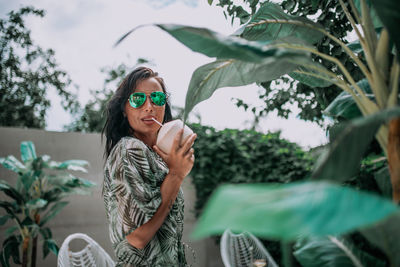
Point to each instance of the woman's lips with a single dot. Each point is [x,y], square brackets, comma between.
[148,120]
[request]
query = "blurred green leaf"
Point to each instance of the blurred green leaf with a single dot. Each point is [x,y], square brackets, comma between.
[73,165]
[13,164]
[389,13]
[28,151]
[45,232]
[36,203]
[49,245]
[332,251]
[385,235]
[341,160]
[11,209]
[11,230]
[344,106]
[382,178]
[273,31]
[11,192]
[10,249]
[289,211]
[5,218]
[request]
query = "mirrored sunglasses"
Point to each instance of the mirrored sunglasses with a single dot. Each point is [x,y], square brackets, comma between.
[136,100]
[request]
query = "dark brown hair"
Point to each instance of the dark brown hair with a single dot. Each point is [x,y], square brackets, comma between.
[117,125]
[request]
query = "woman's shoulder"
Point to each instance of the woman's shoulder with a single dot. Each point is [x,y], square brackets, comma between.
[125,144]
[130,142]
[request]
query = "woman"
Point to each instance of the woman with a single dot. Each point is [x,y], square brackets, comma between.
[141,189]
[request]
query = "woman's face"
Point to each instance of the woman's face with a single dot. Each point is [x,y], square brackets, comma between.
[140,118]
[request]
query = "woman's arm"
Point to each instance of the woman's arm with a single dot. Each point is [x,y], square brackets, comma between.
[180,161]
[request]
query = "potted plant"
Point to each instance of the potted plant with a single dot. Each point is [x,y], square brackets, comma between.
[36,198]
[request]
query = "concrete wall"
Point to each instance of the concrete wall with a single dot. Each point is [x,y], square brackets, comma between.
[86,214]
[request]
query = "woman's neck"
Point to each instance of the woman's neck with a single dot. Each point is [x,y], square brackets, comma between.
[150,141]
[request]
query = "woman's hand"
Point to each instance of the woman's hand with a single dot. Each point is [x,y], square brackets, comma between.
[181,158]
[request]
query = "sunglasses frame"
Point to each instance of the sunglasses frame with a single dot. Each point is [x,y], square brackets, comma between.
[152,97]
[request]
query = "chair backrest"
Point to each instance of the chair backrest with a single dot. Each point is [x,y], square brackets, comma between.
[92,255]
[243,250]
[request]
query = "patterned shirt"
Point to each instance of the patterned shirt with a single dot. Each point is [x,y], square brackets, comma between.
[133,176]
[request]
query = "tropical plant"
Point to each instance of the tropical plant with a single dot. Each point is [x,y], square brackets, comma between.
[271,44]
[35,199]
[310,100]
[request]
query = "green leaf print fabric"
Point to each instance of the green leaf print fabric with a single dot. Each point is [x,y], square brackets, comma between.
[133,175]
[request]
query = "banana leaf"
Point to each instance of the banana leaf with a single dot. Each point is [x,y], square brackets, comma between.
[287,212]
[341,160]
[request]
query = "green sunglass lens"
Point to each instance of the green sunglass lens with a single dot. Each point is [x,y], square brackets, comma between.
[137,99]
[158,98]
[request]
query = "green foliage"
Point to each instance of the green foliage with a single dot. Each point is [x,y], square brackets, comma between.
[311,101]
[385,235]
[27,72]
[287,212]
[332,251]
[352,141]
[234,156]
[389,13]
[35,199]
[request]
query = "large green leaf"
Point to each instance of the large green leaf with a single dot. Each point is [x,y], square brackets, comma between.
[389,12]
[28,151]
[341,160]
[332,251]
[289,211]
[224,73]
[13,164]
[55,209]
[213,44]
[272,31]
[386,236]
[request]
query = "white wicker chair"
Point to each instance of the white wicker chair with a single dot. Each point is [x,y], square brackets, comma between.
[92,255]
[243,250]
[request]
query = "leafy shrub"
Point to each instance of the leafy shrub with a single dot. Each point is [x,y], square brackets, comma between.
[235,156]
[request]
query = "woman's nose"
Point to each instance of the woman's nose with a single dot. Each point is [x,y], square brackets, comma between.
[148,104]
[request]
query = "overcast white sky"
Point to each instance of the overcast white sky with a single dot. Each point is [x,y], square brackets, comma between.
[82,33]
